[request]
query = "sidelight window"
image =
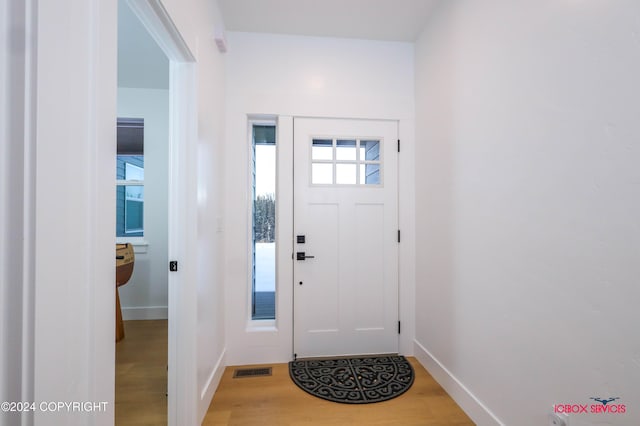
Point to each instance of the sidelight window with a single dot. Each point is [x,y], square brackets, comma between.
[263,282]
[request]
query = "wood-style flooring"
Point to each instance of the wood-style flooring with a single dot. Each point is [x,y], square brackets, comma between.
[141,374]
[276,401]
[141,384]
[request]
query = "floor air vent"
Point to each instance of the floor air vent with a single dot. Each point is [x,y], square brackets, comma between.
[251,372]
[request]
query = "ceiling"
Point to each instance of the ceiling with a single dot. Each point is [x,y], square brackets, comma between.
[393,20]
[142,64]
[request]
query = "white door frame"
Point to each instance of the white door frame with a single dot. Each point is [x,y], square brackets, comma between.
[182,374]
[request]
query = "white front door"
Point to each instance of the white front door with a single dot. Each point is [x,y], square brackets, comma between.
[346,217]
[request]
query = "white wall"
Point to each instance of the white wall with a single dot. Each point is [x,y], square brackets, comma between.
[63,160]
[145,295]
[196,21]
[290,76]
[527,197]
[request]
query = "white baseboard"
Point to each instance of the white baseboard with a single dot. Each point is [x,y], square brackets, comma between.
[145,313]
[206,395]
[479,413]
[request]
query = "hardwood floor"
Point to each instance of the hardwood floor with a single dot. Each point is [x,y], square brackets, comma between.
[141,374]
[141,384]
[275,400]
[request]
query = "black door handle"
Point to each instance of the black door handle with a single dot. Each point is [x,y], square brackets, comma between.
[302,256]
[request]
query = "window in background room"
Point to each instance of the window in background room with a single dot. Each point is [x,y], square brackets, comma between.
[263,222]
[130,178]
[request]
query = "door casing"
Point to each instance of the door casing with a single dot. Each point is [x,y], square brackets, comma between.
[182,237]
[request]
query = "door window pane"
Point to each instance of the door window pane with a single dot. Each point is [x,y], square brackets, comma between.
[322,149]
[346,150]
[322,174]
[370,174]
[370,150]
[346,174]
[346,161]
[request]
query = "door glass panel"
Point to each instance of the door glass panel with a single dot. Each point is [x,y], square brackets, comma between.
[322,173]
[346,161]
[346,174]
[322,149]
[370,174]
[369,150]
[346,150]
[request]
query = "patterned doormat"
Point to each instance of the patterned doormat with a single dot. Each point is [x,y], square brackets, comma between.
[359,380]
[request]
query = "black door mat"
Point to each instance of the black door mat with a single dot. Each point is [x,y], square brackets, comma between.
[358,380]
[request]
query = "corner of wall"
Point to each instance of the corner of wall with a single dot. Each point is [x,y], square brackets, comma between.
[471,405]
[210,387]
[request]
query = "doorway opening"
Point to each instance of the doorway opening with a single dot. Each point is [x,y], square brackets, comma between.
[142,220]
[181,180]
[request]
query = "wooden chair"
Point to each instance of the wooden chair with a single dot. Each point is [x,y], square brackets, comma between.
[124,269]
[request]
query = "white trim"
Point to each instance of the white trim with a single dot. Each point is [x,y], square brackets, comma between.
[140,245]
[407,226]
[29,207]
[136,313]
[472,405]
[156,20]
[182,383]
[284,213]
[212,384]
[121,182]
[17,147]
[249,214]
[257,326]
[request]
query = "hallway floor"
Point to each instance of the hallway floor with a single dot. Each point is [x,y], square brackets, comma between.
[141,374]
[275,400]
[141,383]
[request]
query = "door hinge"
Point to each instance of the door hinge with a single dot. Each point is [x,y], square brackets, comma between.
[398,327]
[398,235]
[398,145]
[173,266]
